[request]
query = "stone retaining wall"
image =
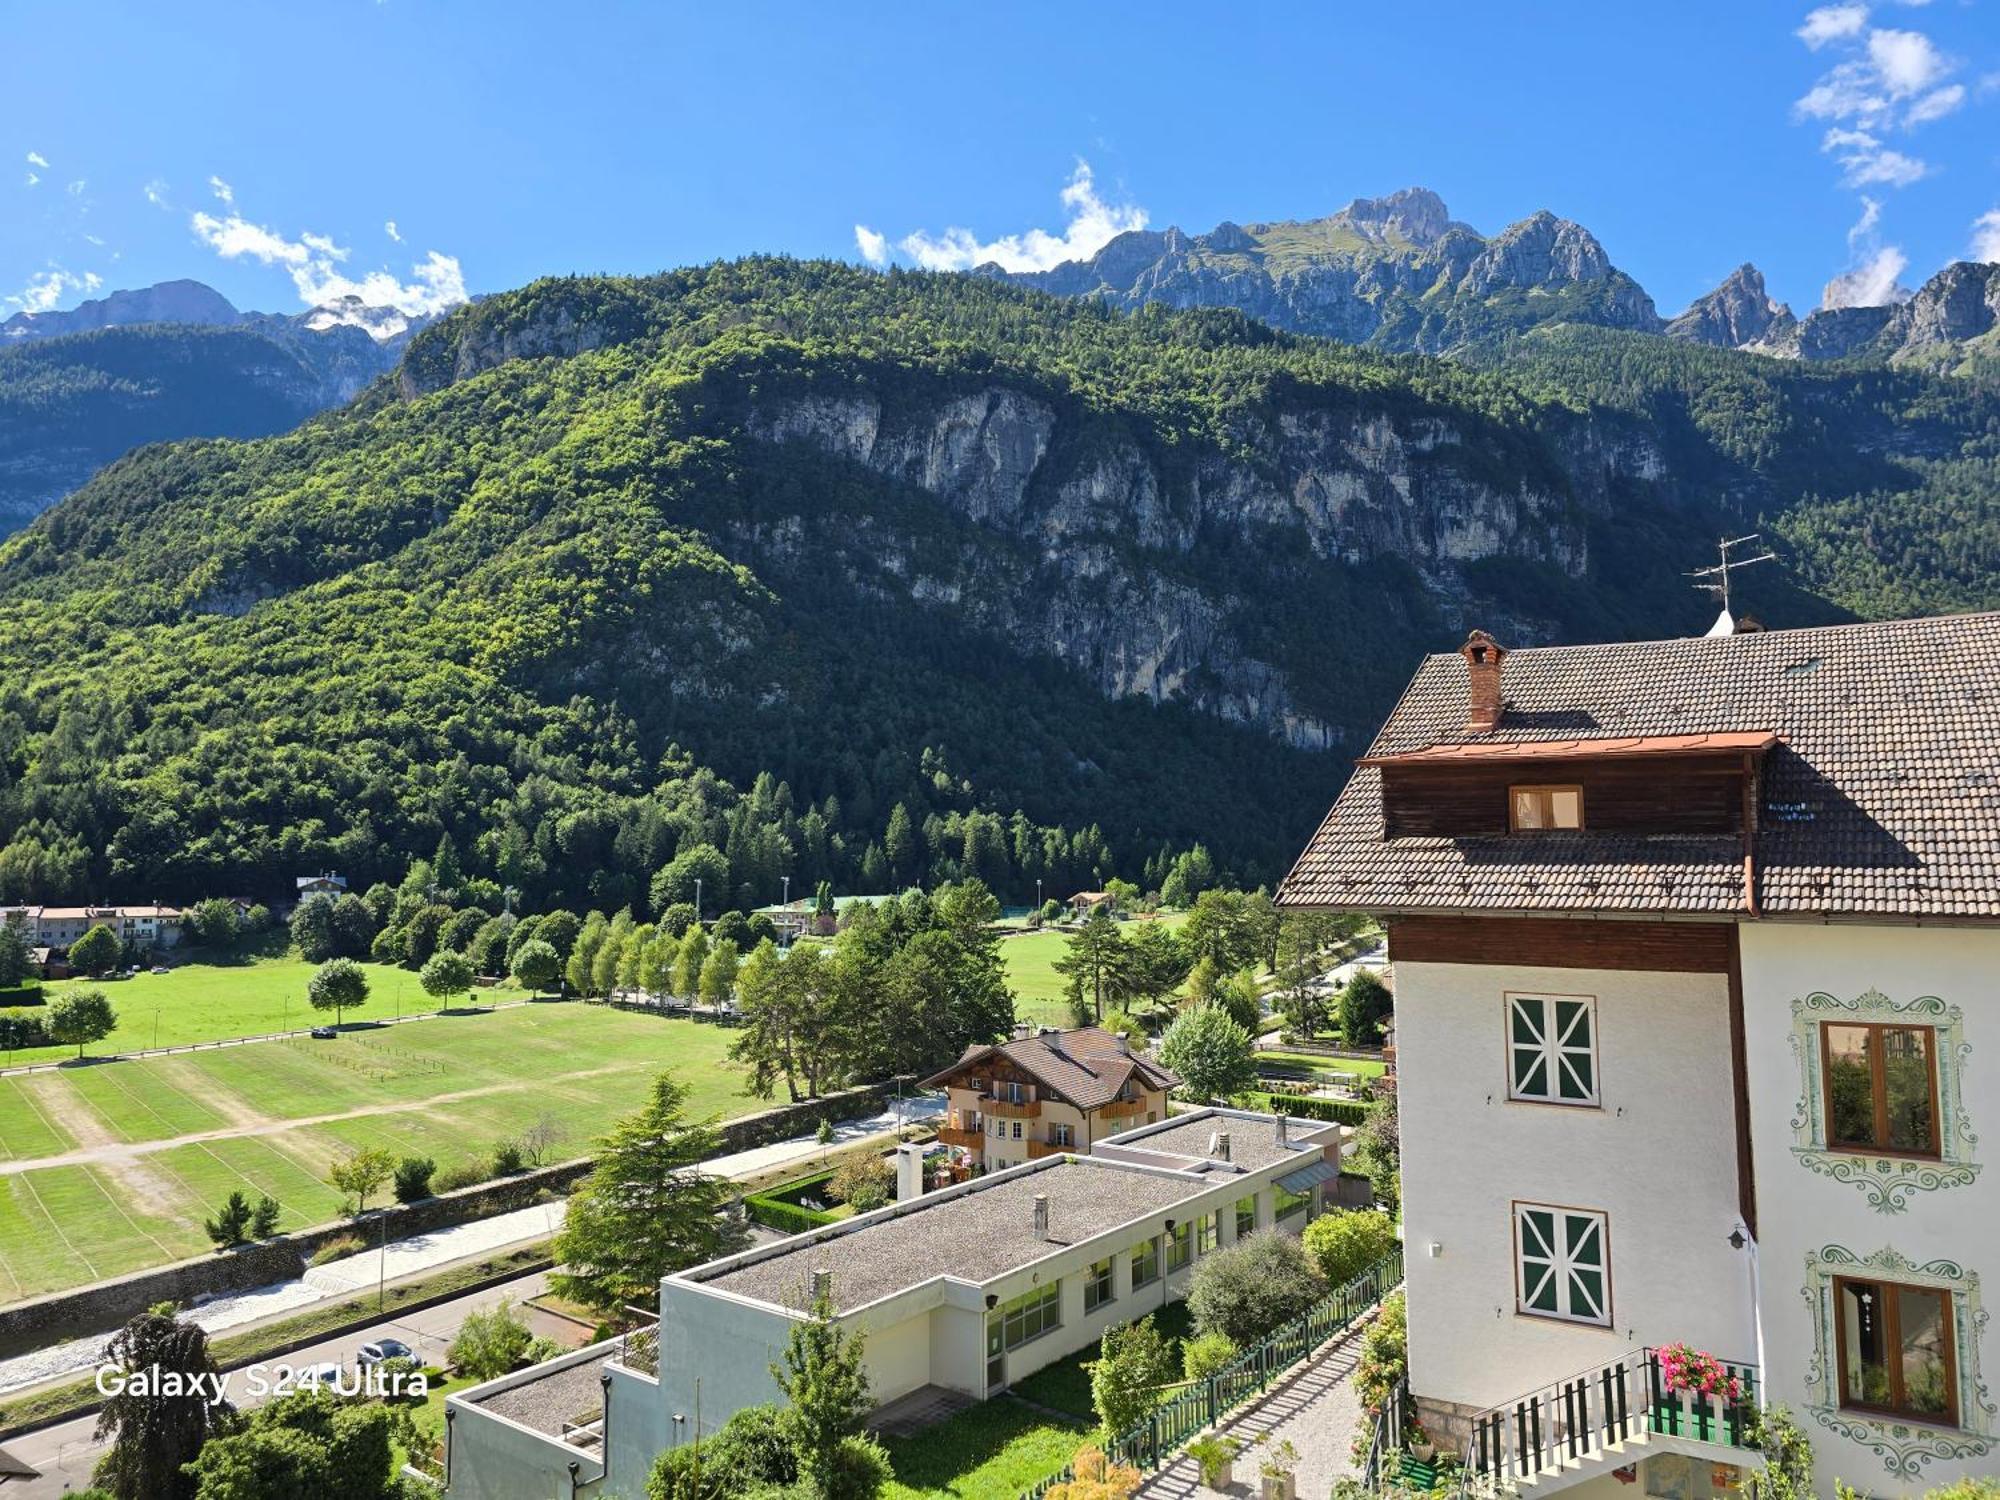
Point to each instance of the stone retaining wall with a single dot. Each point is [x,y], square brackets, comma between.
[103,1306]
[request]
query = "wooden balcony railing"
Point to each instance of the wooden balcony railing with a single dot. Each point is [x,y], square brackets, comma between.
[1118,1109]
[970,1140]
[1027,1109]
[1046,1148]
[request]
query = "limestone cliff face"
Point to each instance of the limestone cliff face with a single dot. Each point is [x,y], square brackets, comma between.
[1136,573]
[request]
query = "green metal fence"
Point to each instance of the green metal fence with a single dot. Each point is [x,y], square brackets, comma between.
[1148,1444]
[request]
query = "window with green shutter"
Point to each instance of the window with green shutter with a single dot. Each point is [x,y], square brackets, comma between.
[1552,1048]
[1563,1263]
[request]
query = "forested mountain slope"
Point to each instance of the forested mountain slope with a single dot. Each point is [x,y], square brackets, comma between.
[860,577]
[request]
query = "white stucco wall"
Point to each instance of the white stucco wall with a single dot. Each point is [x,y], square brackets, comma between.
[1804,1213]
[1658,1157]
[492,1457]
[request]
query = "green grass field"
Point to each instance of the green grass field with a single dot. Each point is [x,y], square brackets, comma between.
[1031,970]
[211,1002]
[269,1117]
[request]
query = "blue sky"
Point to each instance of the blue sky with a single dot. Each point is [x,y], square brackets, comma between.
[411,148]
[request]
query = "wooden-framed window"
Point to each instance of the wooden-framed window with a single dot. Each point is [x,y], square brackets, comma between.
[1552,1048]
[1896,1349]
[1563,1263]
[1061,1135]
[1097,1285]
[1881,1087]
[1537,808]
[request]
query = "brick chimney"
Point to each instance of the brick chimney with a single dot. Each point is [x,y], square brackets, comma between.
[1483,656]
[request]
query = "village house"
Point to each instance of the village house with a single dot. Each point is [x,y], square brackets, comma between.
[1695,945]
[57,927]
[959,1293]
[1047,1091]
[324,884]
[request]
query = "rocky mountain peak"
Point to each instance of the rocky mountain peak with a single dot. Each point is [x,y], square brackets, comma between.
[1541,250]
[1738,312]
[180,301]
[1960,303]
[1416,213]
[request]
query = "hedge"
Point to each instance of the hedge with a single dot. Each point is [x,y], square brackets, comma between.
[1337,1111]
[21,1029]
[777,1208]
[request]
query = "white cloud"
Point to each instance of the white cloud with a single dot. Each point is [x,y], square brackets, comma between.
[389,228]
[222,190]
[46,290]
[36,159]
[156,193]
[874,247]
[33,179]
[1868,161]
[1092,224]
[76,188]
[1935,105]
[1986,236]
[313,261]
[1907,62]
[1871,215]
[1870,284]
[1831,22]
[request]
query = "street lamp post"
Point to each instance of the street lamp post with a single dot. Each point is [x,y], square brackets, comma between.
[697,901]
[1038,895]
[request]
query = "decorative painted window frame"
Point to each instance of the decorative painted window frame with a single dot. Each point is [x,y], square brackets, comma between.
[1903,1446]
[1888,1181]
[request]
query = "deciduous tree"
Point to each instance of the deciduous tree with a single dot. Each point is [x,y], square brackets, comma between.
[153,1434]
[337,984]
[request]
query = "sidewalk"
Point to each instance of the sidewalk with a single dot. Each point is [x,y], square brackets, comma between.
[1315,1409]
[424,1253]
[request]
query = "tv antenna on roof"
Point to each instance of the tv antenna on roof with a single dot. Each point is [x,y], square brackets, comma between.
[1716,579]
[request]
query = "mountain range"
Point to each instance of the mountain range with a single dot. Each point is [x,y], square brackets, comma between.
[1399,273]
[867,577]
[80,387]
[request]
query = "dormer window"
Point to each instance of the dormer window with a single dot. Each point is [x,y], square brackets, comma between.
[1533,809]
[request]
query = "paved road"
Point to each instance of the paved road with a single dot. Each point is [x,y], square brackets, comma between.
[66,1454]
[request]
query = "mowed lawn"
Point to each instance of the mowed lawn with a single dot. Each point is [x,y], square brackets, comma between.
[211,1002]
[448,1087]
[1031,969]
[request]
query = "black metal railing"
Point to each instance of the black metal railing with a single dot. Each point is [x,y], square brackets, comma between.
[1574,1418]
[1382,1462]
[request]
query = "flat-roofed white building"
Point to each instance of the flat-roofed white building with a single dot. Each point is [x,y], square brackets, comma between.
[961,1291]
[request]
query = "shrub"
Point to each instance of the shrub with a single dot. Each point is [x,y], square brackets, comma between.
[1097,1478]
[1206,1354]
[1385,1357]
[1134,1360]
[413,1178]
[864,1184]
[21,1029]
[1343,1245]
[231,1223]
[539,1349]
[1365,1003]
[346,1245]
[264,1218]
[460,1174]
[1253,1287]
[506,1159]
[490,1343]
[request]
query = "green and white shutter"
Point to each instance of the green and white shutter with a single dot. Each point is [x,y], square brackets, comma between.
[1563,1263]
[1552,1048]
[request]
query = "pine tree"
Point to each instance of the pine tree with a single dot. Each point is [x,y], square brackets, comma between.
[645,1209]
[1097,956]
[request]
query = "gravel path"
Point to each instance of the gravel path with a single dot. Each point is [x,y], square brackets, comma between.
[1316,1410]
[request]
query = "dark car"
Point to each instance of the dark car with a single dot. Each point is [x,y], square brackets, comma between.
[383,1350]
[324,1033]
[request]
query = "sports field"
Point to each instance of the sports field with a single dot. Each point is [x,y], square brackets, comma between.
[110,1167]
[208,1002]
[1031,960]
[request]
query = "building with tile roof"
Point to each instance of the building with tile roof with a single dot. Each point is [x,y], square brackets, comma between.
[1046,1091]
[1695,945]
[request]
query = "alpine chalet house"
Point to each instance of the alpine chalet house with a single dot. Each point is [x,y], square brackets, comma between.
[1697,957]
[1045,1092]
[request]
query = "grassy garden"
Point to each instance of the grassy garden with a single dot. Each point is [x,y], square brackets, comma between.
[250,995]
[1031,969]
[145,1149]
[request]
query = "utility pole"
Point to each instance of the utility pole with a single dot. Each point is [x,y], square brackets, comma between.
[1716,579]
[697,901]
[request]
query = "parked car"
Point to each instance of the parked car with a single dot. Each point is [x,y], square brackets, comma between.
[326,1376]
[382,1350]
[324,1033]
[158,969]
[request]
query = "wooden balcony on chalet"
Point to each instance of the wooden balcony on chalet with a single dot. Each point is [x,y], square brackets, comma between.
[1047,1148]
[968,1140]
[1119,1109]
[1007,1109]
